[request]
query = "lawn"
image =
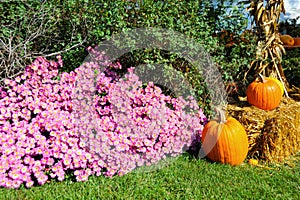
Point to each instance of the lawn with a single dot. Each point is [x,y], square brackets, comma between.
[183,178]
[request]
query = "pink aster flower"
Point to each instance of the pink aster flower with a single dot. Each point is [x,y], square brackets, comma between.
[60,177]
[29,184]
[42,179]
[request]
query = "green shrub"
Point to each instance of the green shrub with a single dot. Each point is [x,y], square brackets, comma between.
[27,28]
[72,26]
[291,66]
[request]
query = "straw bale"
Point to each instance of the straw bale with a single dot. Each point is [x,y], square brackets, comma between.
[272,135]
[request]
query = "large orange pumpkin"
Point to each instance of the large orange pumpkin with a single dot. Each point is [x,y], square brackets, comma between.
[264,93]
[225,140]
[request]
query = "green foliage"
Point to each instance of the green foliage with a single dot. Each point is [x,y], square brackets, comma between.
[291,66]
[24,26]
[291,60]
[237,48]
[290,26]
[74,25]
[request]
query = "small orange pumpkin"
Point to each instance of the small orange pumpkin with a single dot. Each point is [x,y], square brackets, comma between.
[225,140]
[297,41]
[253,161]
[287,39]
[264,93]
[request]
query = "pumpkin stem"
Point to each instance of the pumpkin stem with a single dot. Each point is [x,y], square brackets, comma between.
[221,115]
[262,78]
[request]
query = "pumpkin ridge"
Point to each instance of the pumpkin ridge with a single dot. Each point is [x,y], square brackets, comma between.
[232,146]
[228,140]
[274,93]
[220,136]
[258,91]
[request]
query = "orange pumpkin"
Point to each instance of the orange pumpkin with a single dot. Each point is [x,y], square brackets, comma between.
[287,39]
[225,140]
[279,83]
[264,93]
[297,41]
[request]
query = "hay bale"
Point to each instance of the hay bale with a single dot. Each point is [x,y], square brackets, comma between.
[272,135]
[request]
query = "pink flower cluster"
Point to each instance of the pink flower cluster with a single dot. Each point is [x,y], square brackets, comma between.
[88,122]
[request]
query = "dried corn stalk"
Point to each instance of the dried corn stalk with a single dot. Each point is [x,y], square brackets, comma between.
[266,14]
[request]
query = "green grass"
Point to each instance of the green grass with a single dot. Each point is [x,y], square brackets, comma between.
[183,178]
